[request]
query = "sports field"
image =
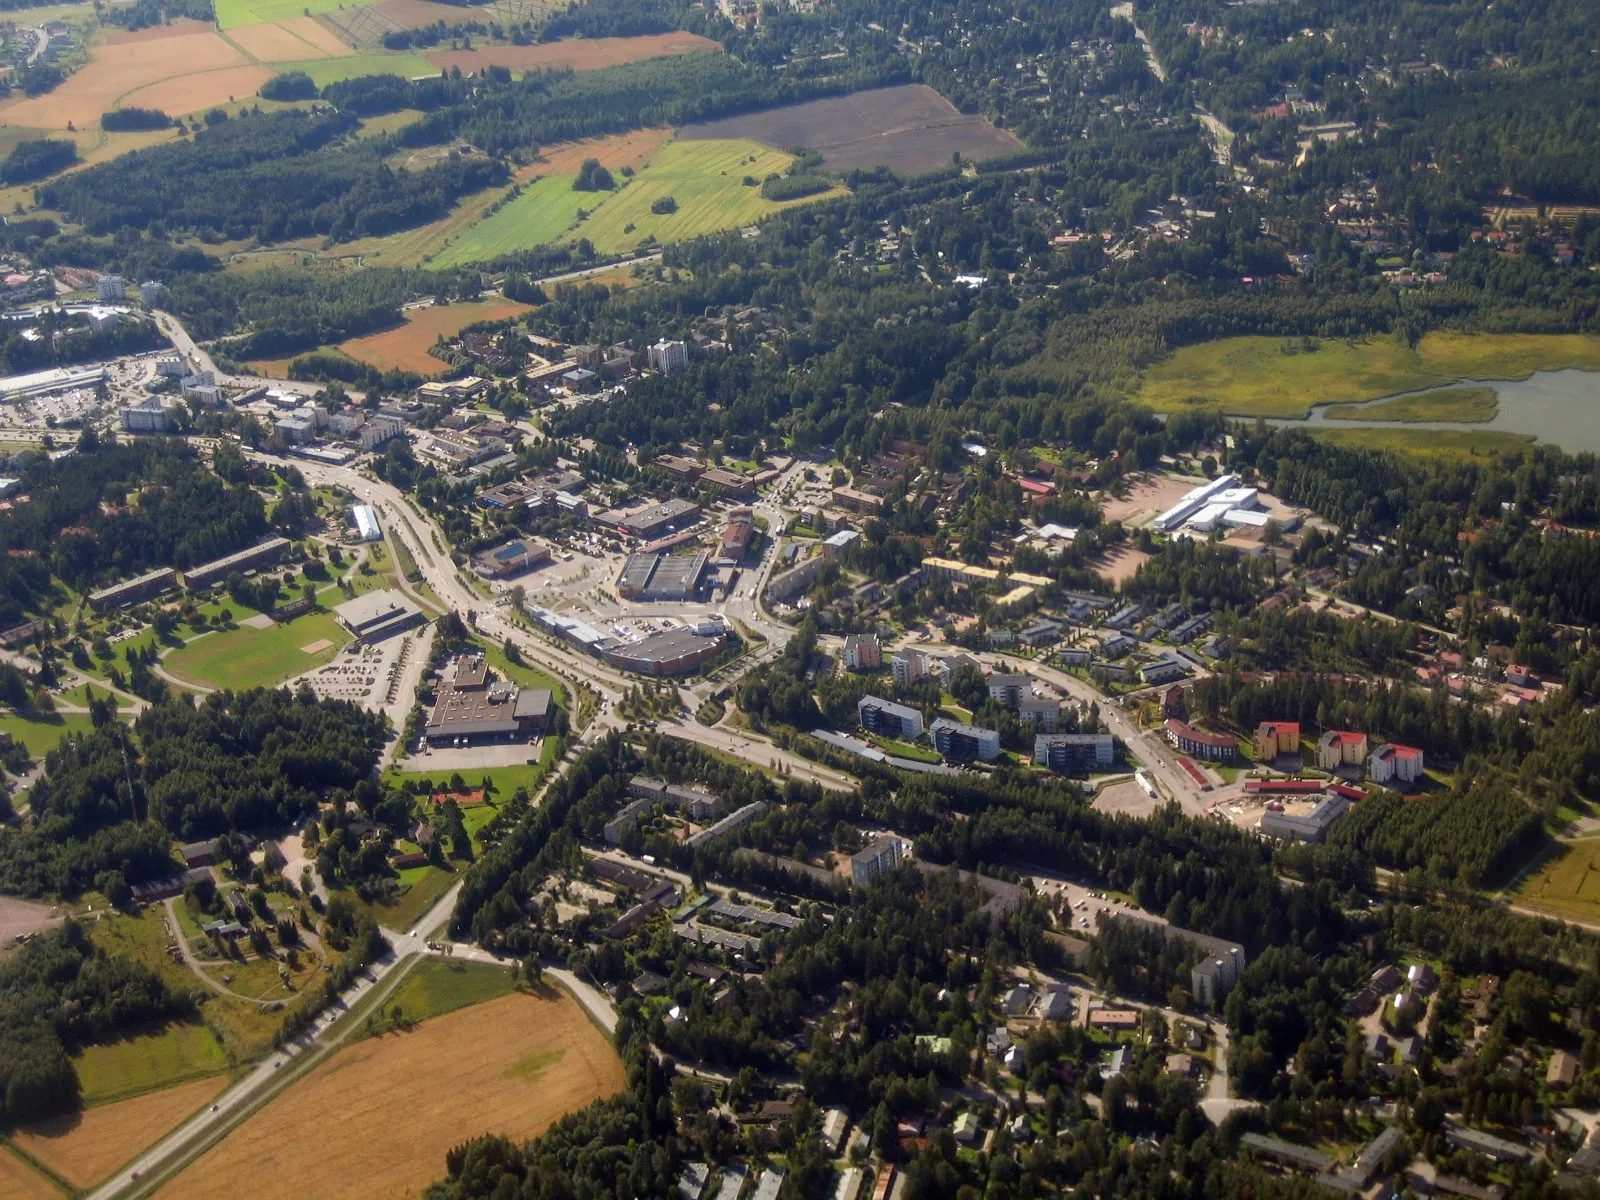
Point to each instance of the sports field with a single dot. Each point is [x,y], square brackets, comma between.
[510,1066]
[245,658]
[1258,376]
[705,178]
[405,347]
[1568,883]
[577,54]
[84,1148]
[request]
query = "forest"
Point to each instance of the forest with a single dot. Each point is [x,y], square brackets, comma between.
[58,994]
[109,806]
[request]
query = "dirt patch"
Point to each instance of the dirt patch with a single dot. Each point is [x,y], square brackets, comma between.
[190,93]
[24,916]
[405,347]
[84,1148]
[1148,498]
[578,54]
[510,1066]
[19,1181]
[910,128]
[155,33]
[1119,563]
[1127,798]
[316,647]
[622,150]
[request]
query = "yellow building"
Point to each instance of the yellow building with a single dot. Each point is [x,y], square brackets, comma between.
[1340,747]
[1276,737]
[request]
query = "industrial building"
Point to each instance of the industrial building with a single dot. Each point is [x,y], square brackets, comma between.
[378,615]
[1313,827]
[961,742]
[1073,752]
[888,718]
[366,519]
[513,558]
[662,576]
[260,555]
[131,591]
[472,707]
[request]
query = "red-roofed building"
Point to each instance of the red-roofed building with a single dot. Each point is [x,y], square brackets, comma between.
[1395,762]
[1284,787]
[1340,747]
[1211,746]
[1276,737]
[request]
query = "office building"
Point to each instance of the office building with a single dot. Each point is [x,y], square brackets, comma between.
[514,558]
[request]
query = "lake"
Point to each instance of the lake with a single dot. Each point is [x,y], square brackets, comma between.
[1561,407]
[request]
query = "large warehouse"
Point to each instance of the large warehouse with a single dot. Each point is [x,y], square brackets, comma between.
[662,576]
[378,615]
[472,707]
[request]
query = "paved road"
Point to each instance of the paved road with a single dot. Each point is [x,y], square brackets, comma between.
[157,1165]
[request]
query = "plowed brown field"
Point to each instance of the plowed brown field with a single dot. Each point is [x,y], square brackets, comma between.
[405,347]
[376,1119]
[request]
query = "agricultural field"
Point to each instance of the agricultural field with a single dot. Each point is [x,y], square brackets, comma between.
[511,1066]
[909,128]
[177,1054]
[440,986]
[192,66]
[1566,883]
[247,657]
[297,39]
[233,13]
[85,1148]
[405,347]
[324,71]
[1270,377]
[19,1181]
[1447,404]
[577,54]
[705,178]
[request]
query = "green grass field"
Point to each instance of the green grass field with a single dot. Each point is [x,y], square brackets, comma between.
[136,1065]
[424,887]
[705,178]
[233,13]
[1448,404]
[1568,883]
[506,779]
[42,732]
[245,658]
[1253,376]
[544,212]
[1432,443]
[439,986]
[324,71]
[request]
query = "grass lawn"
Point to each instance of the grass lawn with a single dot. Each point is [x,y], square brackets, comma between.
[245,658]
[424,886]
[1567,883]
[525,675]
[506,779]
[1434,443]
[1448,404]
[705,178]
[903,749]
[324,71]
[180,1052]
[42,732]
[439,986]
